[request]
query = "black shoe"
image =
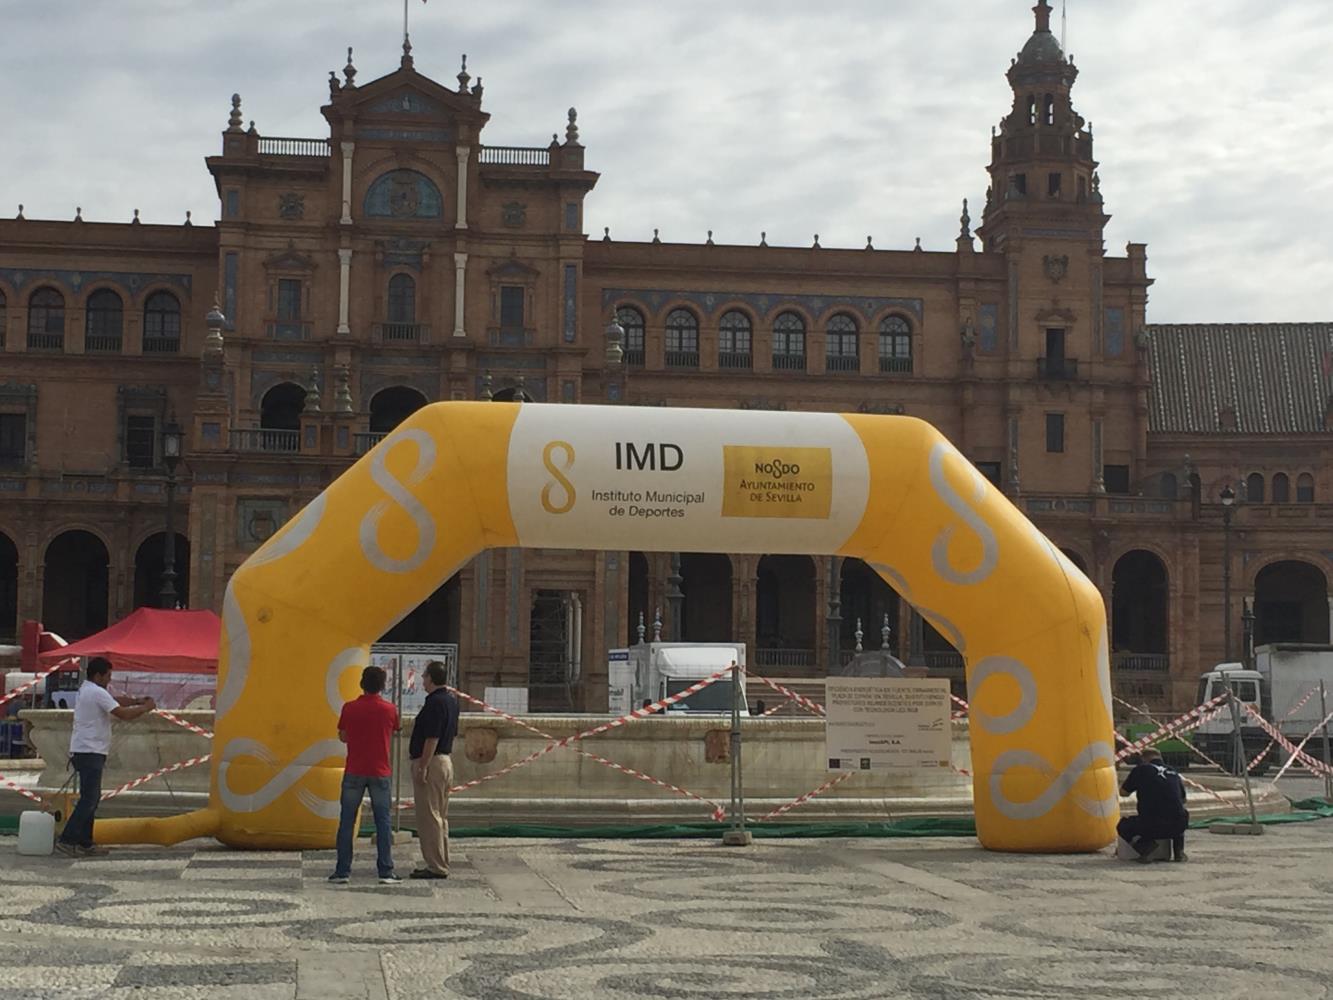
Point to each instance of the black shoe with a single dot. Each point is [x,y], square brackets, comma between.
[393,878]
[1181,856]
[428,874]
[337,879]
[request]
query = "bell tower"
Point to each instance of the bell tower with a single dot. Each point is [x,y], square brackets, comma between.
[1042,168]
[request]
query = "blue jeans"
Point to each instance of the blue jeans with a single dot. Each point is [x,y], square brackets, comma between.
[79,828]
[354,787]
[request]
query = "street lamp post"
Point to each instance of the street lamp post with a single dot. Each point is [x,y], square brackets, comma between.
[171,456]
[1228,498]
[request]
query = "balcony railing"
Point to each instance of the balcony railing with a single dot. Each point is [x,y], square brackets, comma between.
[634,356]
[895,366]
[161,345]
[769,658]
[734,359]
[1057,369]
[1144,662]
[99,344]
[289,330]
[46,341]
[363,441]
[402,333]
[275,146]
[789,362]
[842,363]
[515,156]
[265,439]
[682,359]
[944,659]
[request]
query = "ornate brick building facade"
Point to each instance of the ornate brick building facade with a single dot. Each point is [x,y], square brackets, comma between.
[400,260]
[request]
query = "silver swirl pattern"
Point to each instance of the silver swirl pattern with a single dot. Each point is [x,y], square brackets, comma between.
[266,794]
[1060,786]
[939,553]
[1022,713]
[400,494]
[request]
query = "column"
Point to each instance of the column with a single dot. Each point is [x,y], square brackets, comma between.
[462,152]
[460,277]
[347,148]
[344,282]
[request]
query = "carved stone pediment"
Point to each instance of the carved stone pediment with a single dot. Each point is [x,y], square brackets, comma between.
[289,259]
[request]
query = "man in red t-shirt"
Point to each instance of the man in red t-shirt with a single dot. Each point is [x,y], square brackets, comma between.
[367,726]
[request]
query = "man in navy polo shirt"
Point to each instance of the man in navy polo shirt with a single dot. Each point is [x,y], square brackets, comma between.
[367,726]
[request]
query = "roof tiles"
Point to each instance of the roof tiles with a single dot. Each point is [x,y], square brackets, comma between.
[1269,378]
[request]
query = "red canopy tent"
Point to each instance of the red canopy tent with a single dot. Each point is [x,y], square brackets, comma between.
[153,640]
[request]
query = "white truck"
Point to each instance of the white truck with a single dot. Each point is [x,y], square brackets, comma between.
[651,671]
[1284,673]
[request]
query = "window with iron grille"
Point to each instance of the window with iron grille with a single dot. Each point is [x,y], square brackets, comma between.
[1055,432]
[1116,479]
[13,438]
[162,323]
[789,341]
[733,340]
[842,344]
[1305,488]
[141,441]
[511,306]
[289,299]
[104,321]
[895,345]
[402,299]
[631,321]
[46,319]
[682,339]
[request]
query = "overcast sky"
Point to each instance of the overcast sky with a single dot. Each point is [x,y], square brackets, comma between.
[1213,118]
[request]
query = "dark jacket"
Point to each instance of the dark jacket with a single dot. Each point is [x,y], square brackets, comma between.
[438,718]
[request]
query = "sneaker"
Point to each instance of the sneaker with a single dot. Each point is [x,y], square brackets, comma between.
[337,879]
[69,850]
[94,851]
[427,873]
[393,878]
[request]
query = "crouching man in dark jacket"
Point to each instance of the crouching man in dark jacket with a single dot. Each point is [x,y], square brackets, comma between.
[1161,808]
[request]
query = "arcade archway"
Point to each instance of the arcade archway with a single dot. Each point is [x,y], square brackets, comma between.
[1291,603]
[75,588]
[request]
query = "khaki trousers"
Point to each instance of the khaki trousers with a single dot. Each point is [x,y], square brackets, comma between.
[432,805]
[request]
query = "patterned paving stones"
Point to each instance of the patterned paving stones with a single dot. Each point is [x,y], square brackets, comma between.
[677,920]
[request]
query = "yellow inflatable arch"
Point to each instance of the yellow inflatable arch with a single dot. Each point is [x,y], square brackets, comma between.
[458,478]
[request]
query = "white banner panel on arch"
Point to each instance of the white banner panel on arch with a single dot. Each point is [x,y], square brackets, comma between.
[887,723]
[686,480]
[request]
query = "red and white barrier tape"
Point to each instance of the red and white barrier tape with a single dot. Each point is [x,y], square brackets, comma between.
[180,766]
[28,793]
[1187,780]
[1194,717]
[800,699]
[1297,753]
[183,723]
[9,696]
[1272,743]
[717,809]
[803,799]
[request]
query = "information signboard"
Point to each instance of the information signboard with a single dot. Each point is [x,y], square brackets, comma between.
[886,723]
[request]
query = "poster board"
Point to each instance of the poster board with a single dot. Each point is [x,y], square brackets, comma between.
[619,682]
[404,666]
[887,723]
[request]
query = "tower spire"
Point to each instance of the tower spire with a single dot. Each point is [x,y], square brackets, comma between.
[1043,12]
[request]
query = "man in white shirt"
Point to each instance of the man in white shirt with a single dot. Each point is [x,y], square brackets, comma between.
[88,749]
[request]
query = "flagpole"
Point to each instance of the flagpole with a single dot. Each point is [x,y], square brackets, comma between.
[404,21]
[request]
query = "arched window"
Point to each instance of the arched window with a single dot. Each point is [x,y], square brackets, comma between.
[1254,488]
[1305,488]
[631,321]
[402,301]
[842,349]
[1032,109]
[403,194]
[682,339]
[1050,110]
[162,324]
[789,343]
[1168,486]
[280,418]
[733,340]
[104,323]
[895,345]
[46,320]
[390,407]
[1281,488]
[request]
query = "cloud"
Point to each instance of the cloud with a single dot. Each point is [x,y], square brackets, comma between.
[861,117]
